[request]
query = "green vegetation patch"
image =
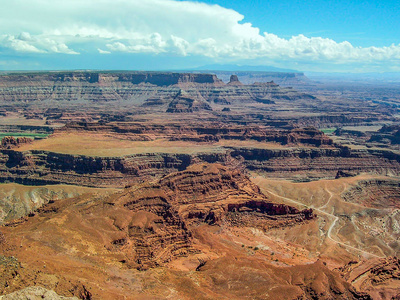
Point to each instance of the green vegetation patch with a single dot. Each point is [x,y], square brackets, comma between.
[24,134]
[328,130]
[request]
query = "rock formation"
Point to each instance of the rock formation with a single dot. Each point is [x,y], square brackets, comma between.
[376,193]
[35,292]
[148,224]
[281,78]
[10,142]
[19,282]
[150,197]
[234,80]
[184,103]
[38,167]
[378,277]
[132,87]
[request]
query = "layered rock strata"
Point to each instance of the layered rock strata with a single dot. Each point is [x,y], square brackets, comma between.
[375,193]
[10,142]
[378,277]
[147,225]
[318,163]
[42,167]
[208,132]
[133,87]
[184,103]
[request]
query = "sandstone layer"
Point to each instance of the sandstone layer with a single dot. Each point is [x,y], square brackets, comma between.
[134,87]
[151,225]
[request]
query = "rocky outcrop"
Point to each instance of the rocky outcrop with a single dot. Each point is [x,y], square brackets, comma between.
[42,167]
[215,194]
[317,163]
[184,103]
[376,193]
[148,224]
[35,292]
[281,78]
[165,79]
[378,277]
[318,282]
[208,131]
[19,282]
[387,135]
[17,201]
[234,80]
[311,281]
[10,142]
[341,174]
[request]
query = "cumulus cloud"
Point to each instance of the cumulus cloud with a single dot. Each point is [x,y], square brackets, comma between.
[162,26]
[24,42]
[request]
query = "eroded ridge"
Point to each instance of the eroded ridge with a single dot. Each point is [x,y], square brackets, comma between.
[149,224]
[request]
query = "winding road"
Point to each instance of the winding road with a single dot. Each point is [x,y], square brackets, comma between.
[335,219]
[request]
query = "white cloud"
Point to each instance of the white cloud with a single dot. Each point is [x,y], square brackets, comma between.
[19,45]
[24,42]
[163,26]
[101,51]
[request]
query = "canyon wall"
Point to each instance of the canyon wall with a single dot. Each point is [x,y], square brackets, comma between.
[134,87]
[42,167]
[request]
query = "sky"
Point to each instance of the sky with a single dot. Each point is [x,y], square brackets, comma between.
[308,35]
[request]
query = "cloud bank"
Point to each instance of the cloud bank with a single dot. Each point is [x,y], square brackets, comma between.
[177,28]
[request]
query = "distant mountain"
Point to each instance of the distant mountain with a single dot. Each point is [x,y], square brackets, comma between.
[391,78]
[226,67]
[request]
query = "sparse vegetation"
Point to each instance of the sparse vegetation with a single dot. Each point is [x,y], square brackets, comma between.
[23,134]
[328,130]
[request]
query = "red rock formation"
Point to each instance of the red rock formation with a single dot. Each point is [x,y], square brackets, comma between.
[148,224]
[375,193]
[10,142]
[240,279]
[214,131]
[378,277]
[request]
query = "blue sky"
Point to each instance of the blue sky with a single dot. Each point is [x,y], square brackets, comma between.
[326,36]
[362,23]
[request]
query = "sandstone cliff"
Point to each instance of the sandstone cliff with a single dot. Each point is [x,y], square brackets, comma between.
[378,277]
[147,225]
[38,167]
[132,87]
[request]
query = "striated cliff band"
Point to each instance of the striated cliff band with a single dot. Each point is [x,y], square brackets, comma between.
[134,87]
[188,221]
[160,185]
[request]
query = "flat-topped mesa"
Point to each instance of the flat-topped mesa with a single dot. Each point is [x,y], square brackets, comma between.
[218,131]
[155,78]
[166,79]
[281,78]
[136,88]
[43,77]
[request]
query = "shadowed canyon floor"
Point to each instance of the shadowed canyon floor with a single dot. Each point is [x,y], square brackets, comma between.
[150,185]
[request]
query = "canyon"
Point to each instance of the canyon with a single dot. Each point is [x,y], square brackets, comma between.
[155,185]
